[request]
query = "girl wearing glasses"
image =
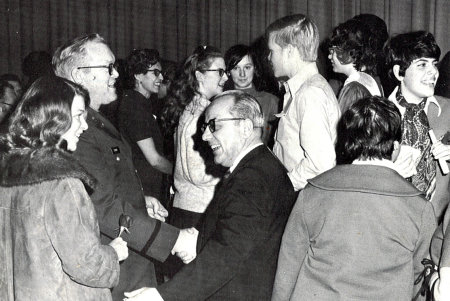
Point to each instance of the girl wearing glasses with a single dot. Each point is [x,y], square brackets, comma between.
[245,76]
[50,236]
[201,77]
[351,54]
[138,123]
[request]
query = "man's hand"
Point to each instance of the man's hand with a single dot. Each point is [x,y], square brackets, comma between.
[406,161]
[144,294]
[120,246]
[440,151]
[155,209]
[442,286]
[186,245]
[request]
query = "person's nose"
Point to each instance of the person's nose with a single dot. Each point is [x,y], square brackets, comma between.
[433,70]
[206,134]
[225,76]
[84,125]
[241,72]
[115,73]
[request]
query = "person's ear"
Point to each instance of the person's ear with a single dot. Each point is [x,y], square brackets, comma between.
[76,75]
[80,76]
[290,49]
[138,78]
[396,151]
[246,128]
[199,76]
[396,71]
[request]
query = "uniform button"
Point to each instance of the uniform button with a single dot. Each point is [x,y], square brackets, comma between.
[118,158]
[102,125]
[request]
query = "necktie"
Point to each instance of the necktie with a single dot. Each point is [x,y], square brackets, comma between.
[415,127]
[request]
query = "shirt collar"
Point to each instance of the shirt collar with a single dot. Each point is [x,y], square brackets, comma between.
[294,83]
[402,109]
[377,162]
[242,155]
[353,77]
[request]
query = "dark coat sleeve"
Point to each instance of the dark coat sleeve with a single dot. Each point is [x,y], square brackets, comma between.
[242,225]
[119,191]
[294,246]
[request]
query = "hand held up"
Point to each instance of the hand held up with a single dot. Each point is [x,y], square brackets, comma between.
[120,246]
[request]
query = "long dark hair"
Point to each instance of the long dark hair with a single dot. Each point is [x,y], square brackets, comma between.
[43,114]
[185,86]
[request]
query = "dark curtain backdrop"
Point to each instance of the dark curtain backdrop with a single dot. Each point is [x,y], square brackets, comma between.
[176,27]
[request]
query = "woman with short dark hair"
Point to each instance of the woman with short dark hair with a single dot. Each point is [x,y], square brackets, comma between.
[351,54]
[51,245]
[139,125]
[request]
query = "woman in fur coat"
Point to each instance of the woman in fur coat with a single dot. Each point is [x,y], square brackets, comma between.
[49,237]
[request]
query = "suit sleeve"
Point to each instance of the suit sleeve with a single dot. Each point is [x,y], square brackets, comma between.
[294,246]
[241,228]
[71,225]
[316,136]
[147,236]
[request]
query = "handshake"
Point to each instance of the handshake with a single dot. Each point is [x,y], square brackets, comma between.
[186,244]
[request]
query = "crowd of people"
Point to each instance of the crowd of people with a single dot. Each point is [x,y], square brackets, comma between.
[142,179]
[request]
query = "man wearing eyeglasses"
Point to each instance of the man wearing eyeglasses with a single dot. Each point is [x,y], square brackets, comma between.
[88,61]
[241,232]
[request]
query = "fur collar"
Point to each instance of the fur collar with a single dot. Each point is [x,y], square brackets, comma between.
[32,166]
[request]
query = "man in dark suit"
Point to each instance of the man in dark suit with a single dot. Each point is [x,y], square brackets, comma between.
[102,151]
[240,236]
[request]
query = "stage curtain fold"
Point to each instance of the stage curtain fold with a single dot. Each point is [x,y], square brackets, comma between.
[176,27]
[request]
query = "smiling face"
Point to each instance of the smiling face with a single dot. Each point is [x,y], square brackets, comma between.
[98,81]
[227,141]
[210,82]
[149,81]
[242,74]
[78,125]
[419,80]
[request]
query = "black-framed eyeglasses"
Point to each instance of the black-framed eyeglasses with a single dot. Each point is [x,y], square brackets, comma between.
[220,70]
[156,72]
[111,67]
[211,124]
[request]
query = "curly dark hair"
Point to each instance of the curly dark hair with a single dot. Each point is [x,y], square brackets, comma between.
[138,62]
[404,48]
[367,130]
[44,114]
[351,41]
[185,85]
